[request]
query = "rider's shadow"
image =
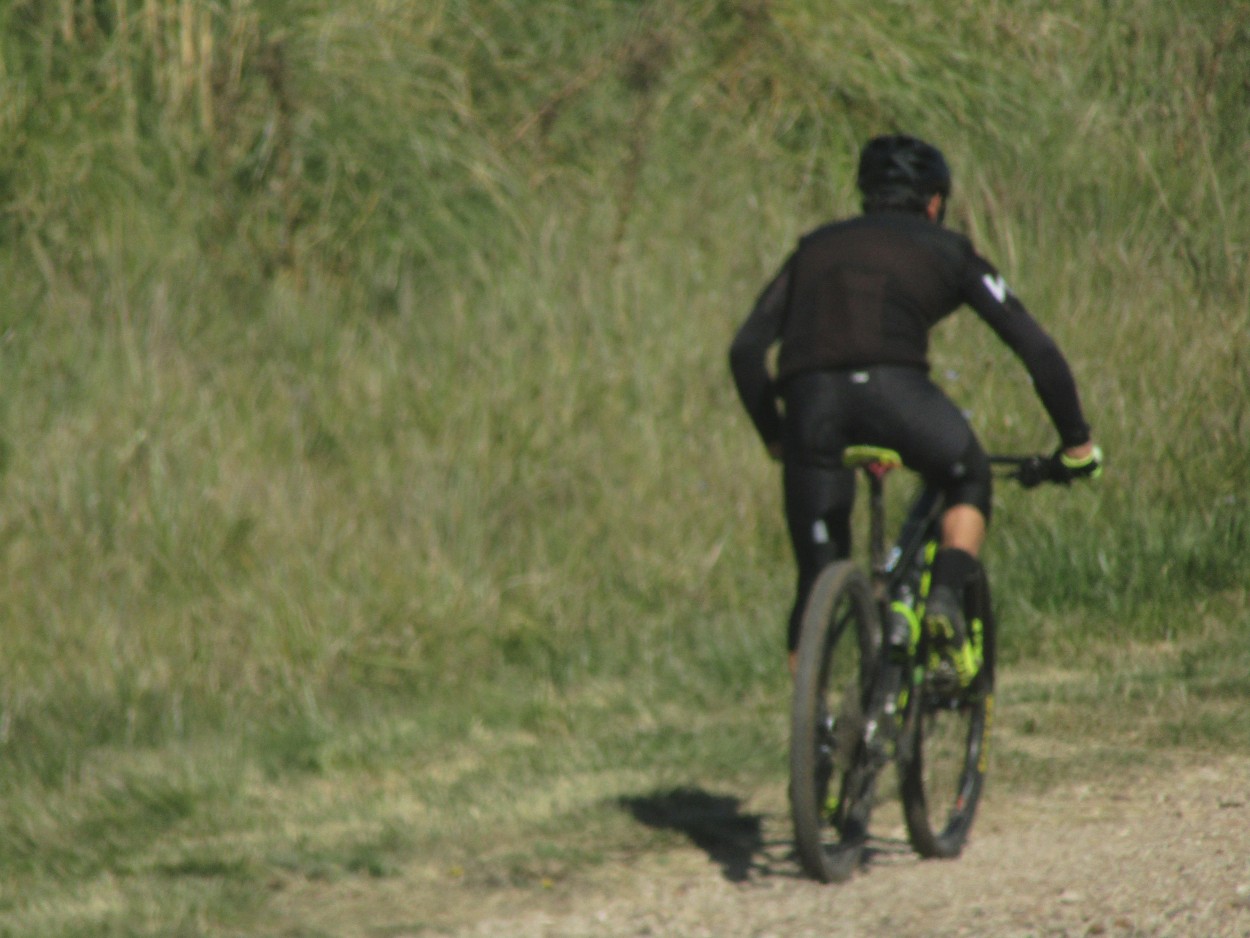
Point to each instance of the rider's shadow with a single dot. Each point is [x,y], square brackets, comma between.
[714,824]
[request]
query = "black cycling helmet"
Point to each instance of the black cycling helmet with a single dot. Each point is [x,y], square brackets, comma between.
[901,173]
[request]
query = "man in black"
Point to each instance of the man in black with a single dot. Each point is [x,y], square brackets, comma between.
[852,308]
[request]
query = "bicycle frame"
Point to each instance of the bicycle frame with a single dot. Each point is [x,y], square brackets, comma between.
[918,528]
[893,566]
[895,697]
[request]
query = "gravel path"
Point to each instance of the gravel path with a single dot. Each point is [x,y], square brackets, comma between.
[1167,855]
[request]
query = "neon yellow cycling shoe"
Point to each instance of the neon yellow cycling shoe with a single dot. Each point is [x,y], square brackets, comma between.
[944,621]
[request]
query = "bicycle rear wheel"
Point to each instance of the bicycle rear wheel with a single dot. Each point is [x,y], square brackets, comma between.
[944,747]
[831,766]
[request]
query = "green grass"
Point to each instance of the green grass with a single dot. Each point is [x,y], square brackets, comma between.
[378,512]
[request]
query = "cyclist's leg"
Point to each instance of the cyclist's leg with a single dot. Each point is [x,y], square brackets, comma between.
[963,528]
[818,511]
[955,565]
[903,409]
[819,492]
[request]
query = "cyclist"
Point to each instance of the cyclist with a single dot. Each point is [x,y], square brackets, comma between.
[851,311]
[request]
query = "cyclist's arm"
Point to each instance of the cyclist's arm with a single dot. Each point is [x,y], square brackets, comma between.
[988,294]
[748,360]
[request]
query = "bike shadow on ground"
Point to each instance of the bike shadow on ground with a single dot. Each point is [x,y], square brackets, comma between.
[735,840]
[716,824]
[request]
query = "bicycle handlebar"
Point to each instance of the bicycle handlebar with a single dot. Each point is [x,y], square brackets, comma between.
[1034,470]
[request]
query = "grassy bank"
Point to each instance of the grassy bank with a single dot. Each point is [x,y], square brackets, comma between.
[378,511]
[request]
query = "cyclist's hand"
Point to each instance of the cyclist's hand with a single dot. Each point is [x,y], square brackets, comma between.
[1077,462]
[1034,471]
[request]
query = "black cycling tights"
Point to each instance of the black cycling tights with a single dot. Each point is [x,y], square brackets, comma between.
[885,405]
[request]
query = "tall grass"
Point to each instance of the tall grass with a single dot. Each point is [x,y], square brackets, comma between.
[365,417]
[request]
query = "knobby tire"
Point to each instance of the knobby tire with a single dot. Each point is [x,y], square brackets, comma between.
[838,654]
[944,745]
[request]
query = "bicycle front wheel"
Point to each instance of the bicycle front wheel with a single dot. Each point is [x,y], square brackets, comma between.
[832,767]
[944,747]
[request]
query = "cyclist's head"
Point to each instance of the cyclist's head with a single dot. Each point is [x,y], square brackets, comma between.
[898,173]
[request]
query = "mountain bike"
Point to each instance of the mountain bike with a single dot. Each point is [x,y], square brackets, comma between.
[871,687]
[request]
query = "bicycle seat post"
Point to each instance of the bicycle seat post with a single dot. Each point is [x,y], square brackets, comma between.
[876,525]
[876,463]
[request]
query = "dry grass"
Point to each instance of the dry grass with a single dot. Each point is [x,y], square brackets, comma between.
[374,487]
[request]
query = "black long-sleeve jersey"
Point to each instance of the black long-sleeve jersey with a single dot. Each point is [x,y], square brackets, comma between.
[866,291]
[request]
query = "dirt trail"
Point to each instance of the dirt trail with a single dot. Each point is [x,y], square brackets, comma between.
[1165,855]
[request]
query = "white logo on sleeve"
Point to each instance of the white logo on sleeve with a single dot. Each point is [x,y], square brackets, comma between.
[997,286]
